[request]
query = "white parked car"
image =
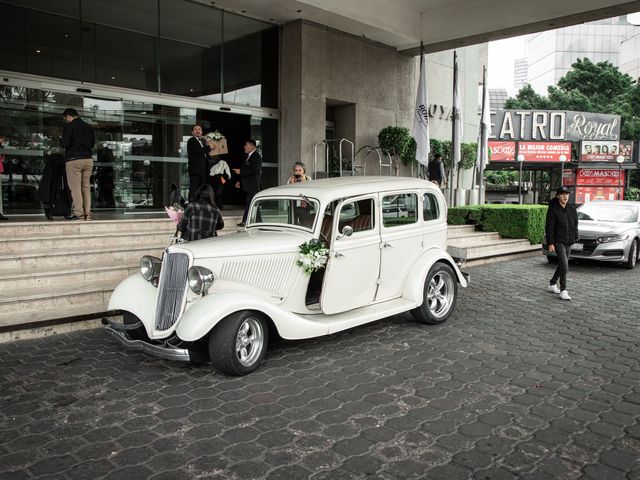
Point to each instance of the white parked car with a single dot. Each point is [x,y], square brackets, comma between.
[219,299]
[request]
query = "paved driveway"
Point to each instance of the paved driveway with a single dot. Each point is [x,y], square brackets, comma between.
[515,384]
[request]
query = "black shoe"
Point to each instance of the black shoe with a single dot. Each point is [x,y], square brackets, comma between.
[71,217]
[241,224]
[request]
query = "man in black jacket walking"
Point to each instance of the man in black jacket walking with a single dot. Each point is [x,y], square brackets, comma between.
[198,153]
[561,233]
[250,176]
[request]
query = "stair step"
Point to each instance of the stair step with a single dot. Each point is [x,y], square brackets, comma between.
[504,247]
[92,296]
[460,228]
[24,229]
[47,279]
[461,239]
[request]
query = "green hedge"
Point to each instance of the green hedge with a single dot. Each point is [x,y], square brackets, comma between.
[510,221]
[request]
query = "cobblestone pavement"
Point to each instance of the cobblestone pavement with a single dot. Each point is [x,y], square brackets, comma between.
[516,384]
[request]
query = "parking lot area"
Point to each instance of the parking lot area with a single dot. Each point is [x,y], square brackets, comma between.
[516,384]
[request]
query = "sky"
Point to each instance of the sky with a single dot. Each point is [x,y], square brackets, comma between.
[502,54]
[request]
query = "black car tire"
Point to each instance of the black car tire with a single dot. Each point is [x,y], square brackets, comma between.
[633,255]
[445,295]
[244,333]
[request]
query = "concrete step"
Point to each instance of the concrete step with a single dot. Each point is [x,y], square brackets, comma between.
[48,279]
[93,297]
[460,229]
[491,250]
[467,238]
[88,257]
[79,242]
[26,229]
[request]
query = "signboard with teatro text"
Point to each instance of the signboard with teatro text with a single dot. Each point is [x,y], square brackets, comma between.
[545,151]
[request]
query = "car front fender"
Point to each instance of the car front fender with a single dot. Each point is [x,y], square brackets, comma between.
[206,312]
[414,285]
[134,294]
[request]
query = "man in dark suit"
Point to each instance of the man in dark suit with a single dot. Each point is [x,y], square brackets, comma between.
[197,151]
[250,176]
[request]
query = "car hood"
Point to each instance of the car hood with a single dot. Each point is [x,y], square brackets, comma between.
[254,241]
[594,229]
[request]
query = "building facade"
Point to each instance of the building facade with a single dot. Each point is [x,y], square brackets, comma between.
[630,54]
[520,72]
[550,54]
[143,73]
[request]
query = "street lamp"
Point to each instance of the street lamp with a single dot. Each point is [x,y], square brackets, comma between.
[563,158]
[520,161]
[620,160]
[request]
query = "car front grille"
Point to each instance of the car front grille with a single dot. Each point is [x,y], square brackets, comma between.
[588,247]
[172,286]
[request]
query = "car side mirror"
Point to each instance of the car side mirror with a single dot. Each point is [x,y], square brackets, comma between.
[347,231]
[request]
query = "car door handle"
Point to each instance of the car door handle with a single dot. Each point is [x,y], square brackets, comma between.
[338,254]
[386,245]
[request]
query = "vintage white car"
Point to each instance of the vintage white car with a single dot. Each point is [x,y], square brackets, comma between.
[315,258]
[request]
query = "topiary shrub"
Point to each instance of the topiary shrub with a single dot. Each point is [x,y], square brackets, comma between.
[510,221]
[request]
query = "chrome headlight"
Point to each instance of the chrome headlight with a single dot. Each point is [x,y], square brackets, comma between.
[150,267]
[200,280]
[613,238]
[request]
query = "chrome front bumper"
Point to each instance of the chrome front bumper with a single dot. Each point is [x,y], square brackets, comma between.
[164,351]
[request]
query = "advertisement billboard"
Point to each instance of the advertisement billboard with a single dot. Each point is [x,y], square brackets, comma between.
[592,176]
[601,151]
[587,194]
[545,151]
[502,151]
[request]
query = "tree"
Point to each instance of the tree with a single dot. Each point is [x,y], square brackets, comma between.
[395,141]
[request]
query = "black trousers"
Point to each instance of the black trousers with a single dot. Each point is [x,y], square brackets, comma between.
[195,182]
[249,197]
[562,252]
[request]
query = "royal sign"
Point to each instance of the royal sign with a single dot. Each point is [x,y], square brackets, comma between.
[554,125]
[545,151]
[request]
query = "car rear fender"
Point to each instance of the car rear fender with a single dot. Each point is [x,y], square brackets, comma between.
[414,285]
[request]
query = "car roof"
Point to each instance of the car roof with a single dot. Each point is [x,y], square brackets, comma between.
[328,189]
[627,203]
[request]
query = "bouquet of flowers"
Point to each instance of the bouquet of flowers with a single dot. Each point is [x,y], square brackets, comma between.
[313,256]
[215,136]
[217,142]
[175,213]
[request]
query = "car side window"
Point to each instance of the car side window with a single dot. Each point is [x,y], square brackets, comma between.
[399,209]
[358,215]
[430,207]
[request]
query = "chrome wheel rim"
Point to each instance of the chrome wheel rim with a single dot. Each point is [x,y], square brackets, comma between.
[249,341]
[633,255]
[440,294]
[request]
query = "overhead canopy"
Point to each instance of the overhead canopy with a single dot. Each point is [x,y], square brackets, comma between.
[440,24]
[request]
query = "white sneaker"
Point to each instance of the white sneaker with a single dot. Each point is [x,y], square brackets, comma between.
[553,288]
[564,295]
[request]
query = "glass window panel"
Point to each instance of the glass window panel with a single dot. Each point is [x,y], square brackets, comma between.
[140,16]
[13,38]
[430,207]
[265,132]
[357,215]
[250,62]
[190,50]
[399,209]
[119,57]
[53,45]
[69,8]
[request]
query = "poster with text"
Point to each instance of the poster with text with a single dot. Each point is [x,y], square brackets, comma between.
[592,176]
[545,151]
[599,151]
[502,151]
[586,194]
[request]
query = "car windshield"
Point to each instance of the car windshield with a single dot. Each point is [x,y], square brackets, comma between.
[298,212]
[608,213]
